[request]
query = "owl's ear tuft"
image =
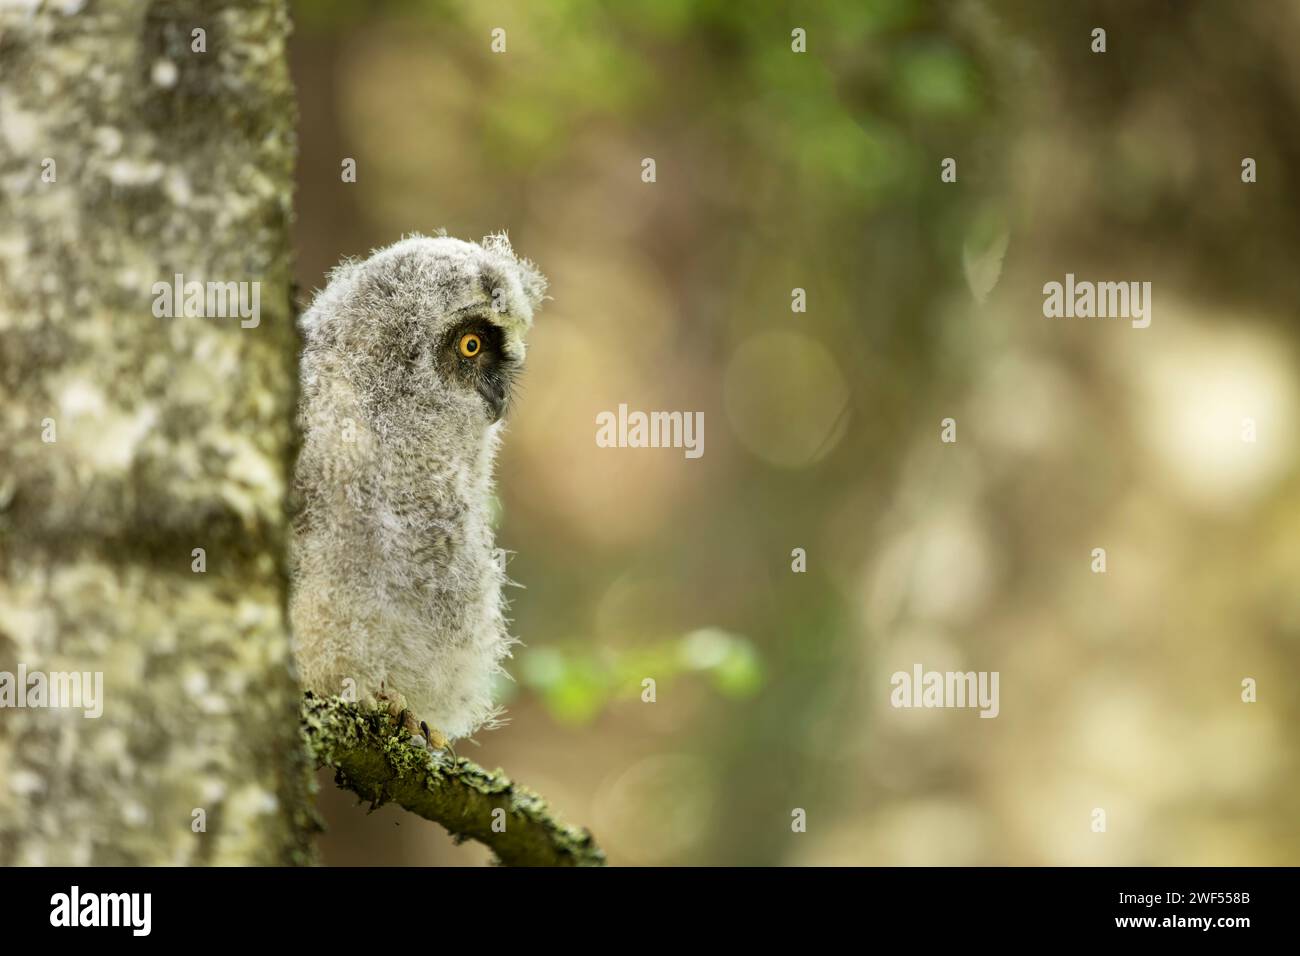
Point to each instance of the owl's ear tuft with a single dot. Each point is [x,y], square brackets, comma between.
[531,281]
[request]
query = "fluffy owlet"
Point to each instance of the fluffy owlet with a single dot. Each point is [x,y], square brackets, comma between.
[407,366]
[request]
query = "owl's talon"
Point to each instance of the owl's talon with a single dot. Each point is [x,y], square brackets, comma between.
[436,739]
[406,721]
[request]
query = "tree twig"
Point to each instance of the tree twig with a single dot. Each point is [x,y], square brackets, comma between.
[378,764]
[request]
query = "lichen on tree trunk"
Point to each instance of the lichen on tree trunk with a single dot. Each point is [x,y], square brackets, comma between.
[128,440]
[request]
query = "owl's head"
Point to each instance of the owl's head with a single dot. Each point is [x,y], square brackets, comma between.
[430,320]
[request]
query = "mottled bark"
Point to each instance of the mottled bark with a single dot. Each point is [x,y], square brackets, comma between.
[377,764]
[169,434]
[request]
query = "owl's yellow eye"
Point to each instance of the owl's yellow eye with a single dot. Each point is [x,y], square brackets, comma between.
[470,345]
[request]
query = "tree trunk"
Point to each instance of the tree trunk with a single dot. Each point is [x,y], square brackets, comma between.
[129,440]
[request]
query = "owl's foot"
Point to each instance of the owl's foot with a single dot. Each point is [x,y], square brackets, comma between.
[422,734]
[436,739]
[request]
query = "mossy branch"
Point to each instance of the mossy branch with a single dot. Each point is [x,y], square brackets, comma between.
[378,764]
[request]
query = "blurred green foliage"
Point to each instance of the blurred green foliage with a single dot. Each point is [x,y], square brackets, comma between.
[576,681]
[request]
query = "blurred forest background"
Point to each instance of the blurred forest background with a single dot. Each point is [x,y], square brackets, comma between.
[821,171]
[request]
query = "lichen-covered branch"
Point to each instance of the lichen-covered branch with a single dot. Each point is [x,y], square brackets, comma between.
[379,765]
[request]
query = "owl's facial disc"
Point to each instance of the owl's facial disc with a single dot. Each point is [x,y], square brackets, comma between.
[482,359]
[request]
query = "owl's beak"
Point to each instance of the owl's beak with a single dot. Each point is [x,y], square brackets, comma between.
[494,394]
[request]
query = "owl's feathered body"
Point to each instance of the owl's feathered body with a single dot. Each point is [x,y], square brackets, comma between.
[407,362]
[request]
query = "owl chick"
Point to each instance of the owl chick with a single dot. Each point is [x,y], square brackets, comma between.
[407,366]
